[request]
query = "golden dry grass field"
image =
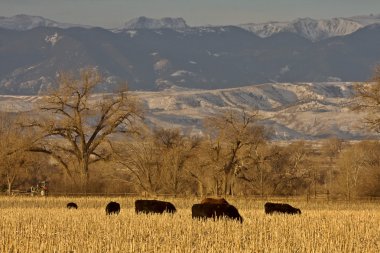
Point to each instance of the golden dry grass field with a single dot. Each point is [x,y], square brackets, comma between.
[37,224]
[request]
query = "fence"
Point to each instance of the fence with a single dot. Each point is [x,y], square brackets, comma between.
[317,197]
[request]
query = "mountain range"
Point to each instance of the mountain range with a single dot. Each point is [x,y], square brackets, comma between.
[156,54]
[312,29]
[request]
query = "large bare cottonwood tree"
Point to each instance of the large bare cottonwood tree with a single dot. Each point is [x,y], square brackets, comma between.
[78,124]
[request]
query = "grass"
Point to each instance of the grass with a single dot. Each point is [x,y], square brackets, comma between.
[33,224]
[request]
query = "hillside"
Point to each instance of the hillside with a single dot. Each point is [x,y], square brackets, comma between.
[291,110]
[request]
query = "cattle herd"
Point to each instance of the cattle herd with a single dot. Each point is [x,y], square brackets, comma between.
[213,208]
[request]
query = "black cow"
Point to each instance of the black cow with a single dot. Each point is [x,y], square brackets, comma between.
[209,210]
[72,205]
[271,208]
[112,208]
[154,206]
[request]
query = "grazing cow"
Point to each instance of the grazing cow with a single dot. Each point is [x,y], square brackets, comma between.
[214,201]
[113,208]
[271,208]
[153,206]
[214,211]
[72,205]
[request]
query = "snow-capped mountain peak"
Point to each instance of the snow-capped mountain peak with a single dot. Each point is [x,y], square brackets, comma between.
[320,29]
[149,23]
[24,22]
[313,29]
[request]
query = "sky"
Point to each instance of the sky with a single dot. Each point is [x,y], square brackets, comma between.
[114,13]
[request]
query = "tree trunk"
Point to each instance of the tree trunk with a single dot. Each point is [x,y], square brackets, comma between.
[261,182]
[231,190]
[315,184]
[348,185]
[227,183]
[10,181]
[9,191]
[200,189]
[84,182]
[84,175]
[216,191]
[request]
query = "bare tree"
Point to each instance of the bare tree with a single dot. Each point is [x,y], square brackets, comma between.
[255,167]
[14,159]
[367,99]
[205,168]
[290,167]
[331,148]
[352,162]
[359,169]
[140,162]
[157,160]
[176,150]
[78,123]
[232,133]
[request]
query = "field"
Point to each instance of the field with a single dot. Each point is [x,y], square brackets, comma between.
[37,224]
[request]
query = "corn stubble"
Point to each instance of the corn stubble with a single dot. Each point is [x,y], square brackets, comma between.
[45,225]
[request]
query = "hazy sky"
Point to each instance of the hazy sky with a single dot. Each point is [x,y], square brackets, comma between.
[114,13]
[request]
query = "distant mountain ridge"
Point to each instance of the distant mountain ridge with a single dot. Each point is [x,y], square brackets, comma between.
[209,57]
[150,23]
[24,22]
[312,29]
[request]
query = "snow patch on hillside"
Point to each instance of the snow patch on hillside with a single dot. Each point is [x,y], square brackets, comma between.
[181,73]
[131,33]
[53,39]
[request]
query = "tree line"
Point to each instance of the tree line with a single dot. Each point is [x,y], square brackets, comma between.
[84,141]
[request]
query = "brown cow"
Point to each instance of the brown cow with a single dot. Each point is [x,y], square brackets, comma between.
[214,201]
